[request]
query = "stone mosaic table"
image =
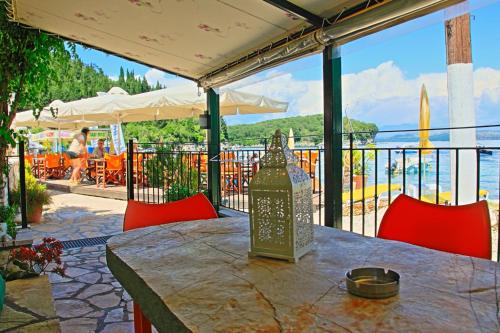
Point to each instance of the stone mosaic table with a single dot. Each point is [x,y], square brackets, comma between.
[196,276]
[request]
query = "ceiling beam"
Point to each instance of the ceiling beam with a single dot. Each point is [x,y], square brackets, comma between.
[292,8]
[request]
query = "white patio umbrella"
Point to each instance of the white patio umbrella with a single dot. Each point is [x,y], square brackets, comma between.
[170,103]
[47,120]
[116,106]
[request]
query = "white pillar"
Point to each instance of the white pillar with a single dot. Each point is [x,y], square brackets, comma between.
[461,114]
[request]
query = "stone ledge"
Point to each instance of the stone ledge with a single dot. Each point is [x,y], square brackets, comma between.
[10,244]
[29,307]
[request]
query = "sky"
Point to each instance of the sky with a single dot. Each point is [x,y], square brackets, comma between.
[381,74]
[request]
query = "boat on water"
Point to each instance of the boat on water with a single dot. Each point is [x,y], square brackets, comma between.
[484,151]
[411,166]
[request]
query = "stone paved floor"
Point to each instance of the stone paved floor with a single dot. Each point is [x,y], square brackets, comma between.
[75,216]
[89,299]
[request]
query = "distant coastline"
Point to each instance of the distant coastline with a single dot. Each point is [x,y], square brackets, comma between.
[441,136]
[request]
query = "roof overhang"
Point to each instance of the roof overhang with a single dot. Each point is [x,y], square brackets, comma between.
[215,42]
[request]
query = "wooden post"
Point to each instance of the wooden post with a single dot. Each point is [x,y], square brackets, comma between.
[458,41]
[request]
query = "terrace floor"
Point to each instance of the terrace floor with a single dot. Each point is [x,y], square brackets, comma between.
[89,299]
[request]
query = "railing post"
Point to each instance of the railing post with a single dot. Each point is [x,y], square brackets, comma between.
[22,185]
[130,170]
[214,193]
[332,95]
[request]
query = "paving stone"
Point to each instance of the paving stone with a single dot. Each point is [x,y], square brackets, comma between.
[75,271]
[107,278]
[94,289]
[105,301]
[96,314]
[126,296]
[79,325]
[119,328]
[66,290]
[115,315]
[116,284]
[55,278]
[70,308]
[89,278]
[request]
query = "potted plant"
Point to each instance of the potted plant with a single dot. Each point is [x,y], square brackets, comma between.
[359,178]
[36,197]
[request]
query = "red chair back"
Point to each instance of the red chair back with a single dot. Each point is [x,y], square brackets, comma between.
[462,229]
[141,215]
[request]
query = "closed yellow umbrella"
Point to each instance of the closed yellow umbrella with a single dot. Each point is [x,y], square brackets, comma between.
[425,121]
[291,140]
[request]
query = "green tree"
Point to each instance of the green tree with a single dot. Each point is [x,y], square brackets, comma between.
[27,63]
[223,130]
[121,78]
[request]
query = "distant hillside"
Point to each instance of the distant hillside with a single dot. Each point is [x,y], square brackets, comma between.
[306,129]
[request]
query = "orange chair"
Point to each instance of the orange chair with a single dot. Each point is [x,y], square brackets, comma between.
[307,162]
[115,169]
[66,163]
[140,215]
[230,171]
[201,160]
[28,160]
[456,229]
[53,167]
[138,168]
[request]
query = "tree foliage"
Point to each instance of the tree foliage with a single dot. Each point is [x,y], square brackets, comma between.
[306,130]
[27,59]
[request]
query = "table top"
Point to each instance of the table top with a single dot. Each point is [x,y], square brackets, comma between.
[197,276]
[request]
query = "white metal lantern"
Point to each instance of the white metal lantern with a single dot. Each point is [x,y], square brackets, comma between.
[280,194]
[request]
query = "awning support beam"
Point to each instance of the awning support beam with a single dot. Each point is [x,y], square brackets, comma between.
[332,95]
[292,8]
[214,148]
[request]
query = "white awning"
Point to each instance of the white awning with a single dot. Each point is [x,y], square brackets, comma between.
[214,42]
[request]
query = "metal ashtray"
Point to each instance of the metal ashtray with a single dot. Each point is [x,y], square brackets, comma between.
[372,282]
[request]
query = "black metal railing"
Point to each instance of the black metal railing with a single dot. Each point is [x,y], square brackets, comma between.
[166,172]
[372,176]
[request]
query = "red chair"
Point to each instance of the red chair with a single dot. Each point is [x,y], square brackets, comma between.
[456,229]
[140,215]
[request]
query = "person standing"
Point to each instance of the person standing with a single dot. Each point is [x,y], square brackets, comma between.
[77,152]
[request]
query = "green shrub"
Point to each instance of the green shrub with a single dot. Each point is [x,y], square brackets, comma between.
[36,194]
[8,215]
[177,192]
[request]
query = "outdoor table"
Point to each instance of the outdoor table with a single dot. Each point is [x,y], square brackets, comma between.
[197,276]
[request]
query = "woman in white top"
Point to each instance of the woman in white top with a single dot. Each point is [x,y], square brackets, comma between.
[76,152]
